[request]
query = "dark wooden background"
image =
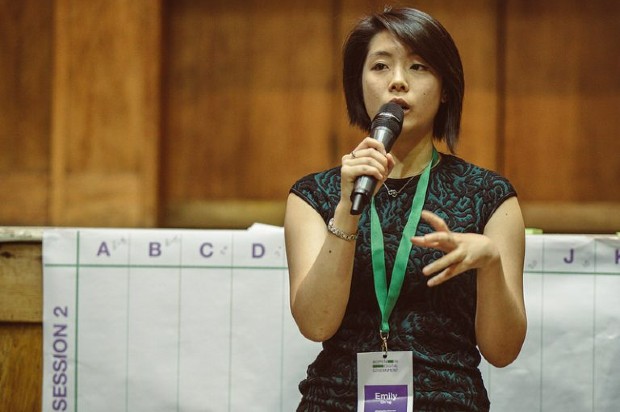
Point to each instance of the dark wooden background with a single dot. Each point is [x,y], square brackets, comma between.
[153,113]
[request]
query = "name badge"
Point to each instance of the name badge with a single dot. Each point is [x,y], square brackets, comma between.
[385,382]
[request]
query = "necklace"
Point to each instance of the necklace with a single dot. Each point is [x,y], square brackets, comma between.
[394,192]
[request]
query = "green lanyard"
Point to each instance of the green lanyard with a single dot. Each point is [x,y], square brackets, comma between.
[386,298]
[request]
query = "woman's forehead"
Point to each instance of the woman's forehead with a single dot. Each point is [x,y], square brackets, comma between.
[385,44]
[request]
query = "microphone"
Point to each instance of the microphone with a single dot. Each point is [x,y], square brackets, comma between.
[385,127]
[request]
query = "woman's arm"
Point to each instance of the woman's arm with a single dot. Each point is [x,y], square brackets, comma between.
[501,321]
[497,254]
[320,264]
[320,268]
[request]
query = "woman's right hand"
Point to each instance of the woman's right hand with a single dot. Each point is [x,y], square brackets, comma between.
[369,158]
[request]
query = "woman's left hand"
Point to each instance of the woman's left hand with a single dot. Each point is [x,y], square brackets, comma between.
[463,251]
[497,254]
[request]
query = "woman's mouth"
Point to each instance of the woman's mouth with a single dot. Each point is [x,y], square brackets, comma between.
[403,104]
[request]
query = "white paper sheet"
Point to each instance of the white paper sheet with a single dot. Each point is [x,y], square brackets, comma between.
[194,320]
[165,320]
[572,294]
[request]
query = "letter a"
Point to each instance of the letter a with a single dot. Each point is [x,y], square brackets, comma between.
[103,249]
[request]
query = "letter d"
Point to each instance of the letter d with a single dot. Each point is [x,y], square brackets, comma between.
[258,250]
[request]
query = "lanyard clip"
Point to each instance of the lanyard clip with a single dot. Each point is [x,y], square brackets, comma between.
[384,346]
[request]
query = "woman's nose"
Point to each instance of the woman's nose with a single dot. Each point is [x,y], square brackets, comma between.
[398,82]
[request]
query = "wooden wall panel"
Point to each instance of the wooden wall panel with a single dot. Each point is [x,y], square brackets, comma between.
[25,95]
[21,294]
[21,287]
[21,373]
[562,99]
[562,93]
[106,103]
[252,100]
[248,88]
[474,29]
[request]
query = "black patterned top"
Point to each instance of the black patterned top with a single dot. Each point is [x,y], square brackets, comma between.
[436,324]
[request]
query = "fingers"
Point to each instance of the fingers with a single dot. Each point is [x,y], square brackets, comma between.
[435,221]
[370,143]
[367,147]
[449,260]
[446,267]
[450,264]
[368,158]
[462,252]
[445,241]
[367,162]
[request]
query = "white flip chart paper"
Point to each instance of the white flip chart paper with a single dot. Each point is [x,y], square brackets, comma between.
[199,320]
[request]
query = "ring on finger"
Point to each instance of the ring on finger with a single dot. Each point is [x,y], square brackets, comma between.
[353,154]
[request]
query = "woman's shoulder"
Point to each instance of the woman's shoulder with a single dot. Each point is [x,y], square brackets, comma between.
[466,187]
[321,190]
[472,174]
[462,166]
[326,180]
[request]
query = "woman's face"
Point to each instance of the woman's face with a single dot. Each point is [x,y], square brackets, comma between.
[393,72]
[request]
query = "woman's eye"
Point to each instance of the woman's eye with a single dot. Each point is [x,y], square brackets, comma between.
[419,67]
[379,66]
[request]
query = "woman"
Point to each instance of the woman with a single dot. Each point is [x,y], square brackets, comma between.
[462,291]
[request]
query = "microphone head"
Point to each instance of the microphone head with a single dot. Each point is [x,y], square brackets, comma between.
[390,115]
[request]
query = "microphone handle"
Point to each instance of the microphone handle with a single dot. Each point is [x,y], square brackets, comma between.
[364,188]
[365,185]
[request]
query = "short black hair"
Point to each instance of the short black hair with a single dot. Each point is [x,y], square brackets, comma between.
[426,37]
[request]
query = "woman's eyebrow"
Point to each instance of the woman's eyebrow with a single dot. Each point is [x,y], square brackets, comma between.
[385,53]
[380,53]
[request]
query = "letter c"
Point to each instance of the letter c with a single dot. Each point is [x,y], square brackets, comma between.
[204,252]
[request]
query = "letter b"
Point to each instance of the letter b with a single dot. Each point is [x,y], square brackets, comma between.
[154,249]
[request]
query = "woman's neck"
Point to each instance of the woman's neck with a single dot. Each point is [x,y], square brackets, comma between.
[413,161]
